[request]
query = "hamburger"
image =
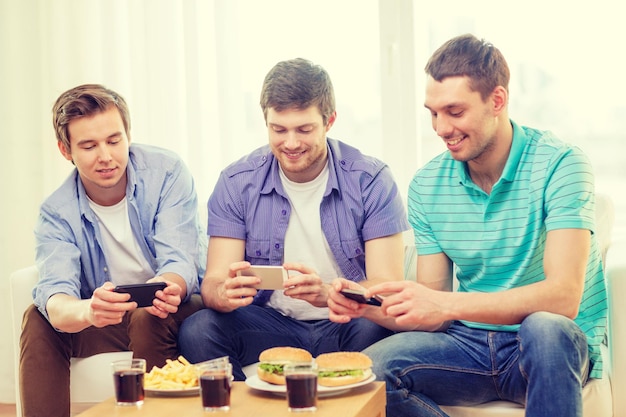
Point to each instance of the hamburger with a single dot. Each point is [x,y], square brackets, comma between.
[273,360]
[343,368]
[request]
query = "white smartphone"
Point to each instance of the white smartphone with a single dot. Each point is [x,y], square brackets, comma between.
[272,276]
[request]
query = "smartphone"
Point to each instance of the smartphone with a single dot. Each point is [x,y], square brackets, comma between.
[142,294]
[272,276]
[357,295]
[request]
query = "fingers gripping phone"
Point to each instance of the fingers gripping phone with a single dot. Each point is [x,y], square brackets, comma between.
[142,294]
[358,296]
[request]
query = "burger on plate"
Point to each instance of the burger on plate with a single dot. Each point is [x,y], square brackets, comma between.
[343,368]
[273,360]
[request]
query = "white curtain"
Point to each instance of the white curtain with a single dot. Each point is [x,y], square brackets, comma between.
[160,55]
[191,82]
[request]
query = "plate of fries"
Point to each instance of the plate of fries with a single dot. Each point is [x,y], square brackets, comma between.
[176,378]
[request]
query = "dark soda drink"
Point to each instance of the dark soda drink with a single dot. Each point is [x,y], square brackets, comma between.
[215,391]
[129,386]
[301,391]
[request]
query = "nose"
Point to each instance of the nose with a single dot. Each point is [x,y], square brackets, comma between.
[104,153]
[291,140]
[442,126]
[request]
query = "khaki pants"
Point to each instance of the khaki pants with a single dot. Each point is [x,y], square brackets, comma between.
[45,353]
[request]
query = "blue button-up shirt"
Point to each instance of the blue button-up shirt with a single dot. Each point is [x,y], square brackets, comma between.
[163,211]
[361,202]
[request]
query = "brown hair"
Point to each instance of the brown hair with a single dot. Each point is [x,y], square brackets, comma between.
[85,100]
[475,58]
[298,84]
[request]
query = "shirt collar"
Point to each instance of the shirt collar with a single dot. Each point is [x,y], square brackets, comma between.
[510,168]
[83,199]
[273,179]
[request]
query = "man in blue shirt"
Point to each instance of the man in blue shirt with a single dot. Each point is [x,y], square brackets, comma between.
[314,205]
[126,215]
[511,209]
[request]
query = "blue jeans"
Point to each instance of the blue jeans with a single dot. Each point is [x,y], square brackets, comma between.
[543,366]
[244,333]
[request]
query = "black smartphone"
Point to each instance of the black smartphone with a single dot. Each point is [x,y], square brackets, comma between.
[142,294]
[358,296]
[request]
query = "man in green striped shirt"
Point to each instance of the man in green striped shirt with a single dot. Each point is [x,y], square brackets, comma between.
[510,210]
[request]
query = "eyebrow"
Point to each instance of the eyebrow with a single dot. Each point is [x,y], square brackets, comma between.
[447,106]
[297,127]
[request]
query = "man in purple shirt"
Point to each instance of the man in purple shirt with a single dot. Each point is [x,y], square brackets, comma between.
[316,206]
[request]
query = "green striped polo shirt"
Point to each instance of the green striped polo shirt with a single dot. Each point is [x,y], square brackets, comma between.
[497,240]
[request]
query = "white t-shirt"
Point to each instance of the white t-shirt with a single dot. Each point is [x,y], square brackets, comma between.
[305,243]
[127,265]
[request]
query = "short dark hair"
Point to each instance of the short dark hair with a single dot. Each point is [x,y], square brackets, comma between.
[298,84]
[475,58]
[85,100]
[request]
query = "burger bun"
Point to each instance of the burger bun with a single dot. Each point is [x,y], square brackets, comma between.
[285,354]
[280,356]
[343,361]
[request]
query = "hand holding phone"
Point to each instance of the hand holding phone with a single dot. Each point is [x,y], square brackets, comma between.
[272,276]
[142,294]
[359,297]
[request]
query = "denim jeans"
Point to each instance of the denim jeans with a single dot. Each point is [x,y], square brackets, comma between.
[543,366]
[244,333]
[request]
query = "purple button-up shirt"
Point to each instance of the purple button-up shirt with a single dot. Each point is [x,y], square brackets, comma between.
[361,202]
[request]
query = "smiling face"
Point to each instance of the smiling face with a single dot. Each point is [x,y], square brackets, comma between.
[297,139]
[99,148]
[468,125]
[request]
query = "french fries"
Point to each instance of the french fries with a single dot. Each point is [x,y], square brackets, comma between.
[174,375]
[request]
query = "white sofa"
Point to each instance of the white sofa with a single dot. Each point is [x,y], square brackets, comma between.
[91,379]
[601,397]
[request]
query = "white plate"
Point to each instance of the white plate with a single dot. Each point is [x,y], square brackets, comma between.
[253,381]
[185,392]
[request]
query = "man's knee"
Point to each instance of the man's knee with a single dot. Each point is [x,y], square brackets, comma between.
[549,326]
[548,332]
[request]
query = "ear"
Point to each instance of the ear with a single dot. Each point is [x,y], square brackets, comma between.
[500,99]
[65,152]
[331,121]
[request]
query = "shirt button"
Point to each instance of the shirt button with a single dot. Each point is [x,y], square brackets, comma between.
[276,246]
[358,251]
[258,253]
[343,162]
[284,212]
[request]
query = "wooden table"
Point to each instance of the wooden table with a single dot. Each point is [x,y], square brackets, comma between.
[365,401]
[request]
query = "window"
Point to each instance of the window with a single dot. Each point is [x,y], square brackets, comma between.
[566,74]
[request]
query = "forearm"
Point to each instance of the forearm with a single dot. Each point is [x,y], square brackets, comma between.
[514,305]
[384,260]
[68,313]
